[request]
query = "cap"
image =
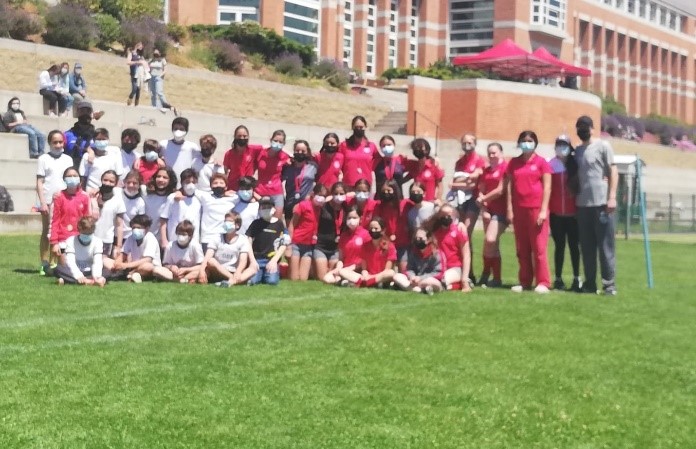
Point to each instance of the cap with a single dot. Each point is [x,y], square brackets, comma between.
[84,105]
[266,201]
[78,65]
[584,121]
[563,138]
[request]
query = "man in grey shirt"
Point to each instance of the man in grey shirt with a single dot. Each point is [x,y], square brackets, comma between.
[596,202]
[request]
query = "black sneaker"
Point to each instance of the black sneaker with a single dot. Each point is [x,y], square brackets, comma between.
[494,283]
[483,280]
[589,288]
[576,286]
[558,284]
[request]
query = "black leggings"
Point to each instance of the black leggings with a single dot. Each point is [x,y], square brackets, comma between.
[54,98]
[562,227]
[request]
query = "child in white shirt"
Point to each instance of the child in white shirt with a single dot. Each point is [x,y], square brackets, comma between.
[141,252]
[82,262]
[228,258]
[182,257]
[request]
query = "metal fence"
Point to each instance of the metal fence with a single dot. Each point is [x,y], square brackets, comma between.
[665,213]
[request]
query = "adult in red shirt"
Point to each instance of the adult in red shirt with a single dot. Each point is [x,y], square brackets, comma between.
[240,160]
[426,170]
[393,209]
[453,242]
[359,153]
[492,199]
[69,205]
[329,161]
[270,162]
[349,245]
[360,197]
[528,183]
[303,232]
[377,259]
[562,208]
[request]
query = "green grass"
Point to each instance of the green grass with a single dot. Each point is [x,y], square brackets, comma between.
[307,366]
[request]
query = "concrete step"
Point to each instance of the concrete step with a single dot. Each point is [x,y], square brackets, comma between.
[18,172]
[23,197]
[14,147]
[20,223]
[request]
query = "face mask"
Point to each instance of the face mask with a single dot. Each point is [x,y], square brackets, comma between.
[359,133]
[72,181]
[526,147]
[241,142]
[319,200]
[179,135]
[299,157]
[228,226]
[15,106]
[105,190]
[266,214]
[151,156]
[206,152]
[276,146]
[584,134]
[362,196]
[352,223]
[416,197]
[376,235]
[138,233]
[85,239]
[446,220]
[468,147]
[56,151]
[182,240]
[63,71]
[189,189]
[100,145]
[330,149]
[421,244]
[562,150]
[139,51]
[128,146]
[339,199]
[78,71]
[388,150]
[419,154]
[245,195]
[132,193]
[387,196]
[218,191]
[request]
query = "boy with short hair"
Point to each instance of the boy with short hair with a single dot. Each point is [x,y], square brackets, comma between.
[182,257]
[141,252]
[82,262]
[269,239]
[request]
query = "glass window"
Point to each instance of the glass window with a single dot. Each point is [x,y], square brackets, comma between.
[370,47]
[228,17]
[369,69]
[370,38]
[348,17]
[247,3]
[642,8]
[310,13]
[301,38]
[298,24]
[348,6]
[392,28]
[347,32]
[631,6]
[346,43]
[370,22]
[253,17]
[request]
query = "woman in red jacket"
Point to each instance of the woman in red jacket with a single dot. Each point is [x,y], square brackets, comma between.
[69,205]
[562,208]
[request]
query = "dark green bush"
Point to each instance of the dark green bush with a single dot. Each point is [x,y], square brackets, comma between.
[109,30]
[148,30]
[70,26]
[332,71]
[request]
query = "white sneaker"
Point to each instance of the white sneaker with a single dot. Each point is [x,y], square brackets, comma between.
[136,278]
[541,289]
[517,288]
[429,290]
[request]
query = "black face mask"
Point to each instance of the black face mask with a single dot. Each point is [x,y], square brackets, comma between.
[359,133]
[330,149]
[421,244]
[376,235]
[387,196]
[218,191]
[419,154]
[416,197]
[240,142]
[299,157]
[584,134]
[207,153]
[445,220]
[105,190]
[128,146]
[86,118]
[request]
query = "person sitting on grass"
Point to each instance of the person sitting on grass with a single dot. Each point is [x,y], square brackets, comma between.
[349,245]
[82,262]
[269,239]
[15,120]
[424,270]
[227,260]
[377,260]
[141,252]
[69,205]
[182,258]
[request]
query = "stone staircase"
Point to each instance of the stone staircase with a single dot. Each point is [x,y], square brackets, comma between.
[392,123]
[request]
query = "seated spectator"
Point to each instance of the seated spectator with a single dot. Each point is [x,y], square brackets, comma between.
[78,85]
[16,122]
[61,82]
[83,261]
[47,89]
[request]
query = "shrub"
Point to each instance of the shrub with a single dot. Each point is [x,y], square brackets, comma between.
[333,72]
[17,23]
[176,32]
[69,26]
[256,60]
[109,30]
[148,30]
[203,55]
[227,55]
[289,64]
[612,107]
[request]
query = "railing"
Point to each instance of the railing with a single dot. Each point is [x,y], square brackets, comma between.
[665,213]
[439,134]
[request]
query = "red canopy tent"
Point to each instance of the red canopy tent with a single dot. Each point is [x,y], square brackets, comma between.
[562,68]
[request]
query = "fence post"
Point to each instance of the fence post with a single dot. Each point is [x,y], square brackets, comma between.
[669,215]
[693,213]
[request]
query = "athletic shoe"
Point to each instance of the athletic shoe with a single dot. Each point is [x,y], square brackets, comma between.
[136,278]
[517,289]
[483,280]
[60,281]
[558,284]
[223,284]
[576,286]
[44,268]
[589,288]
[494,283]
[541,289]
[428,290]
[610,291]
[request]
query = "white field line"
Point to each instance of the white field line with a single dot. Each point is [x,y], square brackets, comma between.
[213,327]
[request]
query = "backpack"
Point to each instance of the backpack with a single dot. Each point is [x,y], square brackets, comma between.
[6,203]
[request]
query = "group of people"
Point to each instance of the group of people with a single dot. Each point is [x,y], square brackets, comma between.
[354,213]
[62,88]
[150,73]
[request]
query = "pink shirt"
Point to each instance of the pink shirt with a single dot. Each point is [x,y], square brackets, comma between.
[67,211]
[427,173]
[270,165]
[305,233]
[451,240]
[526,177]
[490,180]
[358,161]
[240,164]
[330,167]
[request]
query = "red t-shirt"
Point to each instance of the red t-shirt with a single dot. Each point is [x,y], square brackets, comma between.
[526,176]
[428,174]
[469,163]
[395,220]
[490,180]
[375,258]
[330,166]
[270,165]
[562,200]
[240,164]
[350,245]
[305,233]
[451,240]
[67,211]
[367,212]
[358,161]
[147,169]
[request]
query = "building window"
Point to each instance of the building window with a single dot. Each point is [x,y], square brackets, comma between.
[310,27]
[246,3]
[370,38]
[234,11]
[348,17]
[370,47]
[299,10]
[301,38]
[631,6]
[550,13]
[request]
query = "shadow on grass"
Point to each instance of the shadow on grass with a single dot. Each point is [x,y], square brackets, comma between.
[26,271]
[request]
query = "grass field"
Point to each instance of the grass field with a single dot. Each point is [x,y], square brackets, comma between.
[307,366]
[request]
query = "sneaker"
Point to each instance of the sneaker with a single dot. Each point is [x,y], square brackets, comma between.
[52,114]
[223,284]
[428,290]
[610,291]
[483,280]
[588,288]
[517,289]
[558,284]
[60,281]
[494,283]
[136,278]
[576,286]
[541,289]
[176,111]
[163,110]
[44,268]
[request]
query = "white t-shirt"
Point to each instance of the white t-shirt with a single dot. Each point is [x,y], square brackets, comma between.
[154,206]
[134,206]
[183,257]
[187,208]
[111,160]
[84,260]
[149,247]
[52,169]
[248,212]
[105,227]
[179,156]
[213,214]
[228,253]
[205,172]
[127,161]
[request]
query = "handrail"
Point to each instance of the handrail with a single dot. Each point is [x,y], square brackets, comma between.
[433,122]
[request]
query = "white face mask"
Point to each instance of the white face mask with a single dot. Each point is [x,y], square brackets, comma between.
[189,189]
[562,150]
[339,199]
[63,71]
[388,150]
[362,196]
[151,156]
[228,226]
[179,135]
[319,200]
[138,233]
[352,223]
[14,106]
[182,240]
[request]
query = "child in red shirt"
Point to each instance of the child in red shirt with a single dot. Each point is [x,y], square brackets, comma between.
[425,170]
[240,160]
[378,256]
[329,161]
[303,232]
[69,205]
[453,242]
[148,164]
[349,245]
[359,153]
[393,209]
[270,162]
